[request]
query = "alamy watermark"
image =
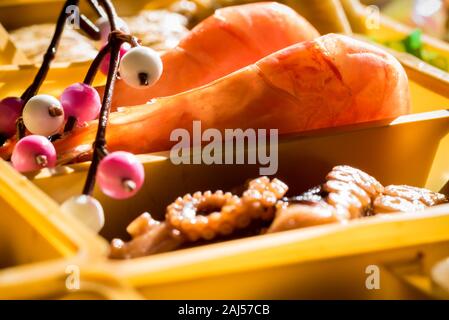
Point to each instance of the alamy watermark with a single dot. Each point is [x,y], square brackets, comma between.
[233,146]
[372,281]
[372,17]
[73,17]
[73,279]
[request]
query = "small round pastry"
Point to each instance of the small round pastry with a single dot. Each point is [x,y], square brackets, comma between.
[33,42]
[203,215]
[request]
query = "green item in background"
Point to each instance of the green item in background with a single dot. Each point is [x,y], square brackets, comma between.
[413,45]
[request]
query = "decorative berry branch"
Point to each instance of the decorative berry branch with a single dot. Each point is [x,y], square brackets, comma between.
[128,172]
[88,80]
[99,145]
[120,174]
[97,62]
[85,24]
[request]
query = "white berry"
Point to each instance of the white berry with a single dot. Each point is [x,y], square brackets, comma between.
[86,209]
[141,67]
[43,115]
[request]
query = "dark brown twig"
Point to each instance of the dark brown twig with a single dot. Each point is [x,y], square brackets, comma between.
[124,37]
[97,8]
[45,66]
[49,55]
[89,28]
[90,76]
[93,69]
[99,145]
[85,24]
[70,124]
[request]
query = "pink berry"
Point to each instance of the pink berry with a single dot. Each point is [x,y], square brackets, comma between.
[81,101]
[120,175]
[104,65]
[10,109]
[32,153]
[105,28]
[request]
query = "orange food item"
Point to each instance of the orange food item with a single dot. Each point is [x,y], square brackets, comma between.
[232,38]
[331,81]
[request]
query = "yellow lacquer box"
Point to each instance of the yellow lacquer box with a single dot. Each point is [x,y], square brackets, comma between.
[45,254]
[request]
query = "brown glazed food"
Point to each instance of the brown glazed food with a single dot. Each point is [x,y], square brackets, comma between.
[347,194]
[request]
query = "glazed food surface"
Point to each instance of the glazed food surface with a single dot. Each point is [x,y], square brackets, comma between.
[232,38]
[328,82]
[347,194]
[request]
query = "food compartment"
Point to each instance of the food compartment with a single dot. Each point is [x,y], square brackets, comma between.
[409,150]
[332,261]
[327,262]
[382,149]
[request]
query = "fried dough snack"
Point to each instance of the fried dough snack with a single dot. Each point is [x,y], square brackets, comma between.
[33,42]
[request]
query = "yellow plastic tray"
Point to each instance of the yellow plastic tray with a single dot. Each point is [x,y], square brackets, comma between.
[411,150]
[64,279]
[9,54]
[440,278]
[318,263]
[33,231]
[15,79]
[324,262]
